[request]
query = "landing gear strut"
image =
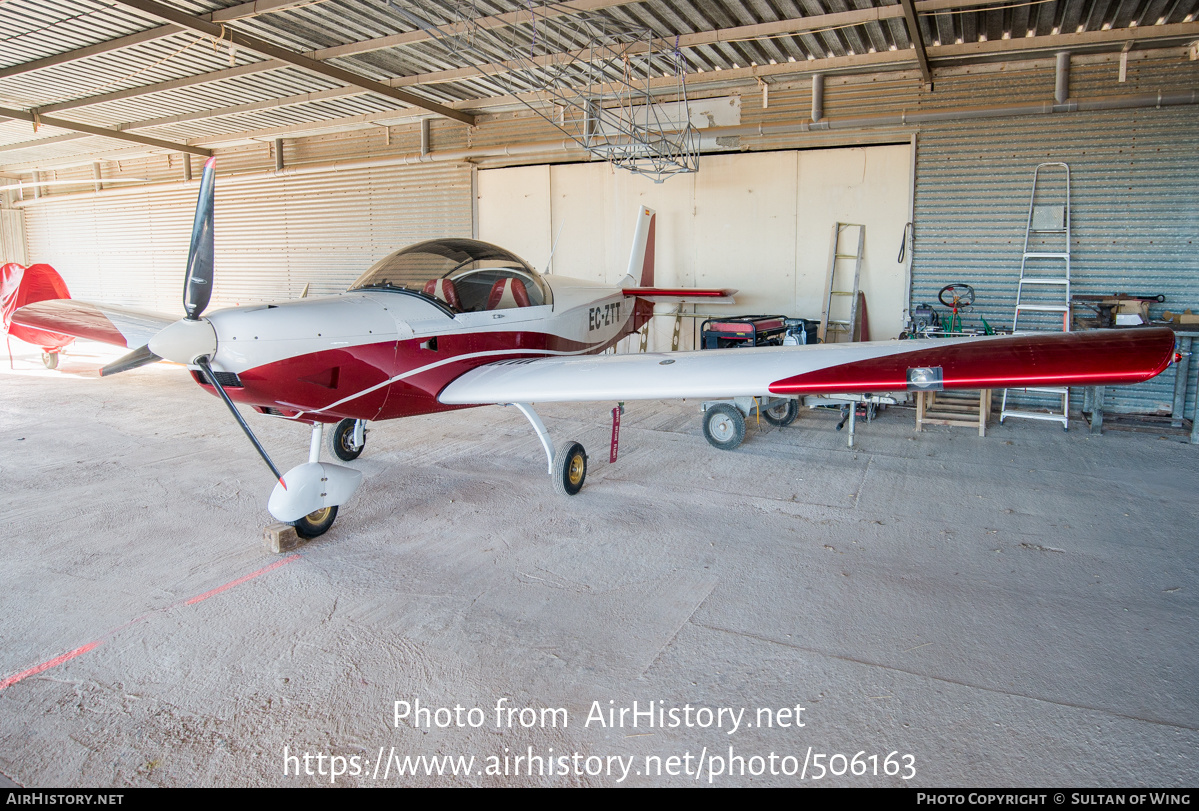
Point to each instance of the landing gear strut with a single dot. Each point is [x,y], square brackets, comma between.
[319,521]
[569,465]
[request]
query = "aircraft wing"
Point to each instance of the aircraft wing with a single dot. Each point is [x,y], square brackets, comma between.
[1094,357]
[106,323]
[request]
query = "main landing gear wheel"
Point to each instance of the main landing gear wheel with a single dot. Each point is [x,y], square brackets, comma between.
[341,441]
[570,469]
[50,360]
[782,413]
[724,427]
[316,523]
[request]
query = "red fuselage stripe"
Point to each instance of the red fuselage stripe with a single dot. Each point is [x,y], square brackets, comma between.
[390,379]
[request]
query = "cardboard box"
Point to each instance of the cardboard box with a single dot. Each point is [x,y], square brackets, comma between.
[1128,307]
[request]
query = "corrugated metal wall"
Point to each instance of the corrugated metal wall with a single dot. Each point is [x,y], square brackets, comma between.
[273,235]
[12,237]
[1135,208]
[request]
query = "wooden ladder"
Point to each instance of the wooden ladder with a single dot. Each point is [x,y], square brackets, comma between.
[835,277]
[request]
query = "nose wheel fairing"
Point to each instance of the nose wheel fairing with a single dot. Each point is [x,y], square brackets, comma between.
[311,487]
[308,495]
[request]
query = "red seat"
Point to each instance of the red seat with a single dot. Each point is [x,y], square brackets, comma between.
[443,289]
[507,293]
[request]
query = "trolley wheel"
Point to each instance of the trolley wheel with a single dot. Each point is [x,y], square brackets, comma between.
[782,413]
[724,427]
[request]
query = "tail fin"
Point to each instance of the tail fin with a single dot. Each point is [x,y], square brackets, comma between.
[27,285]
[641,258]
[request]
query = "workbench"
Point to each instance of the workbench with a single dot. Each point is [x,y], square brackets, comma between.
[1185,337]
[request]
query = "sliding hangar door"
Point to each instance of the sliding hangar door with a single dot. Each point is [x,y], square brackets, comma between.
[760,222]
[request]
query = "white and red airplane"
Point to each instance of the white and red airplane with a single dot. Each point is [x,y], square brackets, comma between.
[454,323]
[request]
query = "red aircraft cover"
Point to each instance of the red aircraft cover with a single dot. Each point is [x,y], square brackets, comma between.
[25,285]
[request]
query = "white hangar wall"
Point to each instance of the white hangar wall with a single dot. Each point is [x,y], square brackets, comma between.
[760,222]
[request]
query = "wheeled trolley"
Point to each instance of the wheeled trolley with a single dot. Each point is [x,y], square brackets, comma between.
[724,420]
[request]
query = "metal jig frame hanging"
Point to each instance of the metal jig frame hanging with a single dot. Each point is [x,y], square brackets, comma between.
[603,84]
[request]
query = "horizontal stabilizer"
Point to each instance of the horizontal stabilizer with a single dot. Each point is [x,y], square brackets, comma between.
[683,295]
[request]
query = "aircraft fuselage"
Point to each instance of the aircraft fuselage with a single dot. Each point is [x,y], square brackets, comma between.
[383,354]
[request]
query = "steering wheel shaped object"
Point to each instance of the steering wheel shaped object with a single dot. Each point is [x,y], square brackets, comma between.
[956,295]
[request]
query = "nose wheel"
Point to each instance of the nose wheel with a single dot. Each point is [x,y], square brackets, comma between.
[316,522]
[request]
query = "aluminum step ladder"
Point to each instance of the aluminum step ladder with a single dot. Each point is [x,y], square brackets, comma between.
[837,276]
[1043,291]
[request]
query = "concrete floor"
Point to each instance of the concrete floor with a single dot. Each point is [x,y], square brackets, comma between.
[1019,610]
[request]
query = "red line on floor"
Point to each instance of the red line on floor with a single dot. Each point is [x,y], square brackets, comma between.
[66,657]
[240,580]
[55,662]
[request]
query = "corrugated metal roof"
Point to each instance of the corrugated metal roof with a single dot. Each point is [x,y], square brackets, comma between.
[183,86]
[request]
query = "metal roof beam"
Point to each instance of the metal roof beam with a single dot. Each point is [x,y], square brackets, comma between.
[90,50]
[238,12]
[685,41]
[810,23]
[262,6]
[889,60]
[273,51]
[805,24]
[54,139]
[162,87]
[75,126]
[798,25]
[495,21]
[249,107]
[781,27]
[913,25]
[1158,35]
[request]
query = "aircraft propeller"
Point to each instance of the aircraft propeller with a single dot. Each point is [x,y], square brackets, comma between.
[197,286]
[192,340]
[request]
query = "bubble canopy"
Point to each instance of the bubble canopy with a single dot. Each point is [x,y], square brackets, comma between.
[465,275]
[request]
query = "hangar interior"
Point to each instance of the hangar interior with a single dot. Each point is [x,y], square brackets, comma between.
[1014,609]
